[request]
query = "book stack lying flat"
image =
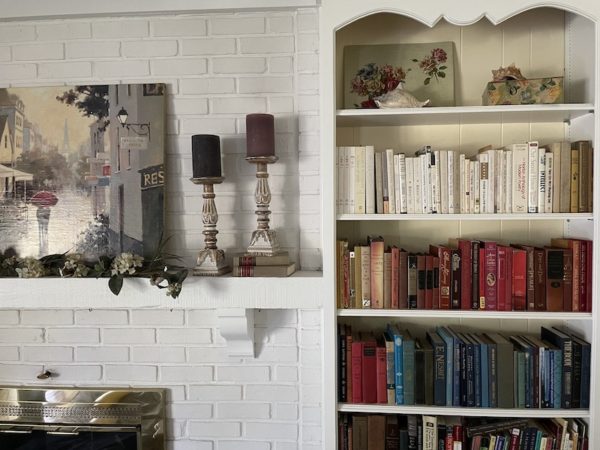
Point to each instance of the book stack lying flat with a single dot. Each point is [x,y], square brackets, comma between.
[278,265]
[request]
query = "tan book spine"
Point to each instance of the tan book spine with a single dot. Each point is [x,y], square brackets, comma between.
[365,272]
[574,202]
[358,295]
[377,250]
[565,177]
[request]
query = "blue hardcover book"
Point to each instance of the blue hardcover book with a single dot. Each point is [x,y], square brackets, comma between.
[469,369]
[556,381]
[394,332]
[565,344]
[478,366]
[543,370]
[450,375]
[459,395]
[484,372]
[408,366]
[586,352]
[439,367]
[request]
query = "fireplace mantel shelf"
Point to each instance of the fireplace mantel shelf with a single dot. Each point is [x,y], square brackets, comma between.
[301,290]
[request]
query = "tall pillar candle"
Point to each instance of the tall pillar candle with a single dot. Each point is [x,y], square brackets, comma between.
[260,135]
[206,156]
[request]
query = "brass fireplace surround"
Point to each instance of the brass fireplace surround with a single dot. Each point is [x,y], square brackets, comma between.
[72,410]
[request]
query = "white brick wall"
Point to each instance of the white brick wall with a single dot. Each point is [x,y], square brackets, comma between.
[270,402]
[217,68]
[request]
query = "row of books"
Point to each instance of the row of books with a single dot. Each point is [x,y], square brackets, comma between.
[521,178]
[464,369]
[415,432]
[466,274]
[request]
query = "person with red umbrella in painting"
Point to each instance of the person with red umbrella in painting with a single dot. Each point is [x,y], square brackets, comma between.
[43,200]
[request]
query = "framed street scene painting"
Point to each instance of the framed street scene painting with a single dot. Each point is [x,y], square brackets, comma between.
[82,169]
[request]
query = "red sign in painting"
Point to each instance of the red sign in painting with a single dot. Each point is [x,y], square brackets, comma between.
[106,170]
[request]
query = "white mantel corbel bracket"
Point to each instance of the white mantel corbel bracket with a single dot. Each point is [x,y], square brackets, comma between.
[236,326]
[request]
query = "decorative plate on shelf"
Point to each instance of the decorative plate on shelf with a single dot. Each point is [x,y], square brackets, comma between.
[426,71]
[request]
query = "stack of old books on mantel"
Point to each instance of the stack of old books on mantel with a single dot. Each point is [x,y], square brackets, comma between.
[278,265]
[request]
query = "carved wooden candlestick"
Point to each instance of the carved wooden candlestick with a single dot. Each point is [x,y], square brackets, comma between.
[264,240]
[211,260]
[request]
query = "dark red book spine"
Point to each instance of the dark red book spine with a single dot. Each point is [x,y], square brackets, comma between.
[583,277]
[421,281]
[502,276]
[519,279]
[436,282]
[395,277]
[482,299]
[568,280]
[589,276]
[369,372]
[381,374]
[466,272]
[491,275]
[357,352]
[428,282]
[475,268]
[403,280]
[508,293]
[443,253]
[539,258]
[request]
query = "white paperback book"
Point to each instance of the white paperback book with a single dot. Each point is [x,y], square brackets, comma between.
[500,180]
[359,180]
[435,182]
[508,185]
[378,183]
[549,181]
[484,182]
[418,188]
[338,184]
[542,180]
[425,183]
[491,181]
[344,180]
[350,181]
[444,181]
[451,203]
[410,185]
[533,182]
[389,165]
[397,182]
[402,170]
[370,179]
[462,183]
[520,178]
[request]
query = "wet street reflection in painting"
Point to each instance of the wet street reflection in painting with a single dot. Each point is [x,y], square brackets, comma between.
[72,175]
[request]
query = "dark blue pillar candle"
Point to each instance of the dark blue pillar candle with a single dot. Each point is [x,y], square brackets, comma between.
[206,155]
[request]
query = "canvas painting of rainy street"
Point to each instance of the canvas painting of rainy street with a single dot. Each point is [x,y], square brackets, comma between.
[82,169]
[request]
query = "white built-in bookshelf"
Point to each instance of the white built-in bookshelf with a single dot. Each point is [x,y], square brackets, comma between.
[487,35]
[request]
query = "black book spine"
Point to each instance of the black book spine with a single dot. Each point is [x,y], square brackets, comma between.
[342,367]
[412,281]
[565,344]
[576,378]
[585,375]
[455,262]
[493,371]
[470,374]
[463,373]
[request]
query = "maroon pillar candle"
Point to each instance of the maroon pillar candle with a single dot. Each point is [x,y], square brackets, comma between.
[260,135]
[206,156]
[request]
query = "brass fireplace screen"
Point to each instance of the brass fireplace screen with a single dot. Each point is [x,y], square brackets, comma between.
[91,419]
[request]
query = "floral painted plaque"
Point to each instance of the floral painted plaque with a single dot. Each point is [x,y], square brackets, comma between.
[427,71]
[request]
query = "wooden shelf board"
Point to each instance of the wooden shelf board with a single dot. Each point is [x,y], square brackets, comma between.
[463,314]
[462,115]
[403,217]
[447,411]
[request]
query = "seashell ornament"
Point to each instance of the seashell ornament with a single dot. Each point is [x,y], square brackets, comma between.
[399,98]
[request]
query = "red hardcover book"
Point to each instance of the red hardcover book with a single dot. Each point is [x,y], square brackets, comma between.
[539,260]
[554,278]
[508,300]
[575,246]
[589,276]
[348,363]
[503,274]
[481,277]
[457,433]
[387,278]
[421,281]
[568,280]
[529,250]
[428,281]
[357,355]
[466,271]
[583,276]
[519,279]
[381,374]
[436,282]
[449,439]
[369,370]
[515,435]
[443,253]
[403,280]
[490,271]
[395,276]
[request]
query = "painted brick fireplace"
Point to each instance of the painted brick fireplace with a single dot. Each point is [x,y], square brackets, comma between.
[217,67]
